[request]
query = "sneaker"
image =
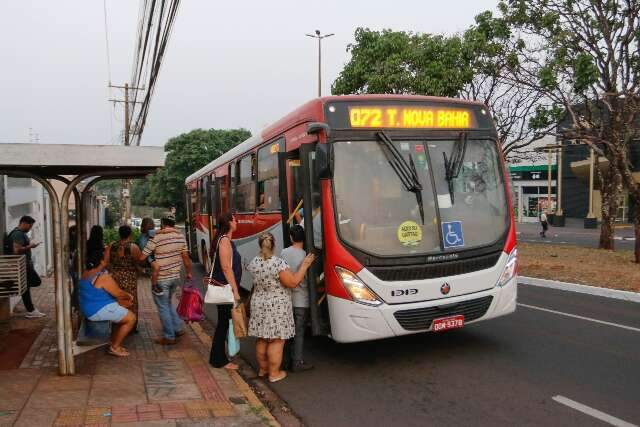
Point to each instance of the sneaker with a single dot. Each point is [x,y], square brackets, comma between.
[35,314]
[157,290]
[301,366]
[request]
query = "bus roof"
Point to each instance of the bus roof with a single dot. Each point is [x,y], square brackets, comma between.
[310,111]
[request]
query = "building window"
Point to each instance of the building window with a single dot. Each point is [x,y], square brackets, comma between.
[246,188]
[268,188]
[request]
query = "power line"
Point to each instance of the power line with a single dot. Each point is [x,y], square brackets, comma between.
[106,39]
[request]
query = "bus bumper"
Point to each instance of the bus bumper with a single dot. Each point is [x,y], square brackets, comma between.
[353,322]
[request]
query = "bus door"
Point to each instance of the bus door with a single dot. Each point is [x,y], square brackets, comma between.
[191,224]
[312,220]
[284,160]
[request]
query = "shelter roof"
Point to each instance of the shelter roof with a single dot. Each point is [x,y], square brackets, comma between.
[48,160]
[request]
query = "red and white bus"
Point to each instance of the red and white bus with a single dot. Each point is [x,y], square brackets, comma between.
[405,201]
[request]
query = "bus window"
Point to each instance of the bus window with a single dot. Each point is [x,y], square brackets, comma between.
[203,190]
[268,191]
[246,188]
[223,196]
[233,181]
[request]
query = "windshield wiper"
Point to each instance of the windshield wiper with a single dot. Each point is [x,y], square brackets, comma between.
[453,164]
[405,171]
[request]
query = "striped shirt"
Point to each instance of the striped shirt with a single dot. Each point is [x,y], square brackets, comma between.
[167,249]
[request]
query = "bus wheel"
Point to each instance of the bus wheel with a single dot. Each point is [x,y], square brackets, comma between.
[205,256]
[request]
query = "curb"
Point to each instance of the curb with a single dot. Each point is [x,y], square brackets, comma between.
[242,385]
[583,289]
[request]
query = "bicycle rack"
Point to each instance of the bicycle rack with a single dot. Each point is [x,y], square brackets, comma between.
[13,275]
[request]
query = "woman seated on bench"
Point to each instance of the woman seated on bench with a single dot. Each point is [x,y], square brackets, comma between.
[102,300]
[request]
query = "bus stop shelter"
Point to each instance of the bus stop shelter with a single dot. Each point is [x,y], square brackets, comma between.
[79,167]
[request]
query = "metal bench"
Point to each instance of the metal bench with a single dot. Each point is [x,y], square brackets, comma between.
[91,335]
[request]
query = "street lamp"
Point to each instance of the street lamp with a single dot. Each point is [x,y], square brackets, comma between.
[319,37]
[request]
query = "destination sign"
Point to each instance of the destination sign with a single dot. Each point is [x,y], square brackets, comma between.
[409,116]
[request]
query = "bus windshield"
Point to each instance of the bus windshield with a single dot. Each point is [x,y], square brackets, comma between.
[462,204]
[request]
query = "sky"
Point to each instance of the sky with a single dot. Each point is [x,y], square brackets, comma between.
[228,64]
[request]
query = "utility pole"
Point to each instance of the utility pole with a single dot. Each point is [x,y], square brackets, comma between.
[319,37]
[125,195]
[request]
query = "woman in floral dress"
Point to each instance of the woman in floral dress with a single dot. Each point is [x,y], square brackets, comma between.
[121,257]
[271,319]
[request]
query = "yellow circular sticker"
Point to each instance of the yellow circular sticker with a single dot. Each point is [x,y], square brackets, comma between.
[409,233]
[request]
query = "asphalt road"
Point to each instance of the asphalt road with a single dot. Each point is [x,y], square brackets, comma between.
[530,233]
[505,371]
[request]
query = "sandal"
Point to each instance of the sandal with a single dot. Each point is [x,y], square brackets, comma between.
[118,352]
[280,378]
[231,366]
[262,374]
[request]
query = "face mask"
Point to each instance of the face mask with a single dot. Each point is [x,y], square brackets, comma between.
[151,233]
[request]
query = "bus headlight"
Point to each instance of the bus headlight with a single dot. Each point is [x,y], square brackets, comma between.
[510,269]
[356,288]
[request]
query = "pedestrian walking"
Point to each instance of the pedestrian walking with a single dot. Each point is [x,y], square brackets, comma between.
[122,262]
[169,249]
[271,319]
[294,256]
[544,224]
[101,299]
[20,244]
[227,268]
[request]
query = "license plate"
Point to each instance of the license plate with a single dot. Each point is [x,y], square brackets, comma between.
[446,323]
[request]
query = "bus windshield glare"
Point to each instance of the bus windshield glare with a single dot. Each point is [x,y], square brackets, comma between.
[462,208]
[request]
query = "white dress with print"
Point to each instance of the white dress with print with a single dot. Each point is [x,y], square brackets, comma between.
[271,308]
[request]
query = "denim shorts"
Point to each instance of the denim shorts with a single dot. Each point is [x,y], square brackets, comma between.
[113,312]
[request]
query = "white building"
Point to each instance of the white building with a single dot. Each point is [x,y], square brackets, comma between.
[23,196]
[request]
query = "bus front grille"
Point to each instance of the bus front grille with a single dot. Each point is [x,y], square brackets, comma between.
[421,318]
[435,270]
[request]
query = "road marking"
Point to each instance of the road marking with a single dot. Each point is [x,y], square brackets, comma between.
[575,316]
[609,419]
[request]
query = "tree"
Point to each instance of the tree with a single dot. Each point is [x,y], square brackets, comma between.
[140,191]
[514,107]
[111,188]
[583,55]
[470,66]
[404,63]
[186,154]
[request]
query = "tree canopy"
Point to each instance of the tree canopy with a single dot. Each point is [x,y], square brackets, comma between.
[404,63]
[582,55]
[186,154]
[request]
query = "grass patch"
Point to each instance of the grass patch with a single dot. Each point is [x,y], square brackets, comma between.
[595,267]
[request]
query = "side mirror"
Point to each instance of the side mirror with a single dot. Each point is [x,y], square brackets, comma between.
[324,161]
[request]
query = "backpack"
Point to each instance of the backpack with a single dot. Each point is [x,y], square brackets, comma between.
[7,243]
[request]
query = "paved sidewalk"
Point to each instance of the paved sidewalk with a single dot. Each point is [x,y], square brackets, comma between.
[156,385]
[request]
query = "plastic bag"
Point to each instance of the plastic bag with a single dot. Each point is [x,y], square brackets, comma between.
[233,343]
[190,306]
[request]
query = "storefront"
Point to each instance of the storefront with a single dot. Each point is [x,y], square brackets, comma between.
[530,191]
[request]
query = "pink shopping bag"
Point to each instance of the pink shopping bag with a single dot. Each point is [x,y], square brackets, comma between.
[190,306]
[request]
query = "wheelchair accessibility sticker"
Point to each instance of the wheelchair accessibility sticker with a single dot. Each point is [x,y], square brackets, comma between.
[452,234]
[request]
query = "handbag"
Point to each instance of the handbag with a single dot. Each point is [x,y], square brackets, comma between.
[190,306]
[233,344]
[218,293]
[239,318]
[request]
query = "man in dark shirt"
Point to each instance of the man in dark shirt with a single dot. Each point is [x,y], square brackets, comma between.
[22,246]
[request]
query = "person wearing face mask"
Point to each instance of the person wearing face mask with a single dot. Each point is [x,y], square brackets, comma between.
[148,232]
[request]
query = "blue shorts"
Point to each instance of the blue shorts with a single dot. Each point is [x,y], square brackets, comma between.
[113,312]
